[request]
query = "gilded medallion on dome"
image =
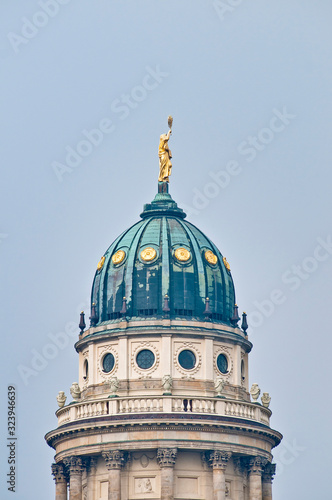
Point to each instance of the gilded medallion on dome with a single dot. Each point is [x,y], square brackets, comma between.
[210,257]
[101,263]
[226,264]
[118,257]
[148,254]
[182,254]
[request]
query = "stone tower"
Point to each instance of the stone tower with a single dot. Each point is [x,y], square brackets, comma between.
[162,408]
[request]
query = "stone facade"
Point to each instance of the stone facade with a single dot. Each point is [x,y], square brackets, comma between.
[138,443]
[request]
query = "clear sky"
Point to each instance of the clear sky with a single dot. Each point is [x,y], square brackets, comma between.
[249,87]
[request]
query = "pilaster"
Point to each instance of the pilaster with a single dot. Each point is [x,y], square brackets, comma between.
[91,478]
[241,476]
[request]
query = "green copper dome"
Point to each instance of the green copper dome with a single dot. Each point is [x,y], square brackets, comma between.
[162,255]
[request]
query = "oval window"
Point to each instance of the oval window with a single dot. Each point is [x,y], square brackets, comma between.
[145,359]
[108,362]
[187,359]
[86,369]
[222,363]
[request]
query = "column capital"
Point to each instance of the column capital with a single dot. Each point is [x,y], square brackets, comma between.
[114,459]
[74,465]
[59,473]
[268,472]
[219,458]
[256,464]
[166,457]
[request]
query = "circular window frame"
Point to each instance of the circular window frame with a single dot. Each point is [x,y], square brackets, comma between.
[193,353]
[188,346]
[141,347]
[102,354]
[149,367]
[103,360]
[227,362]
[225,351]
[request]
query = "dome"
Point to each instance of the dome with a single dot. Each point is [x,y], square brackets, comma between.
[163,266]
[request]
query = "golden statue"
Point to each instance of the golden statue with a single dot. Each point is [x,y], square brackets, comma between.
[165,155]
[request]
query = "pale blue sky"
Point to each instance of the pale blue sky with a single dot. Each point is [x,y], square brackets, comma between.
[226,79]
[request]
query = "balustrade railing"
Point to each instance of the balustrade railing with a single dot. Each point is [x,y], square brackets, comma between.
[163,404]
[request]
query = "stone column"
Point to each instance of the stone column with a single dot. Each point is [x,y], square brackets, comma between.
[166,459]
[92,469]
[60,478]
[74,467]
[267,478]
[256,466]
[218,460]
[240,471]
[114,461]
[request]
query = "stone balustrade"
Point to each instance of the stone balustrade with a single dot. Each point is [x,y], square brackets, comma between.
[163,404]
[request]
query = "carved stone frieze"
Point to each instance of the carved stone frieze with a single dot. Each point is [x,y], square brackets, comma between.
[166,457]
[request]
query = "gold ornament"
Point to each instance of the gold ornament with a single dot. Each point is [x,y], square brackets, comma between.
[182,254]
[148,254]
[101,263]
[118,257]
[228,267]
[211,257]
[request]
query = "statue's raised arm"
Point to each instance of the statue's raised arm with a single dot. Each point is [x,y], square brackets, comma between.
[165,155]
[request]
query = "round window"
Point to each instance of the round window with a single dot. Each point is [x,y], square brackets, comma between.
[145,359]
[222,363]
[108,362]
[187,359]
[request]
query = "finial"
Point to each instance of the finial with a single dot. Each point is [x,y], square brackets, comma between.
[94,316]
[124,307]
[82,324]
[165,155]
[235,318]
[244,324]
[166,308]
[207,311]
